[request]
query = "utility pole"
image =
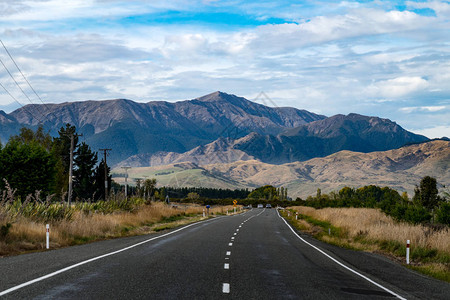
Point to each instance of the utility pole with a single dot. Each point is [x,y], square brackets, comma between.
[105,152]
[72,146]
[126,184]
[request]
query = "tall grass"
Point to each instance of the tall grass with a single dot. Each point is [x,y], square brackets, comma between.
[371,230]
[375,225]
[22,224]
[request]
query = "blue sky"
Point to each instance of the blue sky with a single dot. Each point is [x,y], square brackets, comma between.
[384,58]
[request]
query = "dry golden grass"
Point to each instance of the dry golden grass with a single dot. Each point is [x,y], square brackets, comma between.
[26,235]
[376,226]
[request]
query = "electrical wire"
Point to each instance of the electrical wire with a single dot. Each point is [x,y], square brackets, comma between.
[23,92]
[29,84]
[14,98]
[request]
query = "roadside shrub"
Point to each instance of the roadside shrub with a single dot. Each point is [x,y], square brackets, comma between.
[443,213]
[417,214]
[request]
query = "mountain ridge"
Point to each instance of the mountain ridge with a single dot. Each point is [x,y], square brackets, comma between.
[316,139]
[131,128]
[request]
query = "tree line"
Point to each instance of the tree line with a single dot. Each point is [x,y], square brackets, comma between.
[426,206]
[202,192]
[34,162]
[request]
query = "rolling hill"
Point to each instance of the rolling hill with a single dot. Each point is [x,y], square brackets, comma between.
[400,169]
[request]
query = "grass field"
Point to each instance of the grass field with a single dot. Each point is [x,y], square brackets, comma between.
[177,176]
[28,234]
[370,230]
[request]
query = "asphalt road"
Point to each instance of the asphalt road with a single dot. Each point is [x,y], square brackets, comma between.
[255,255]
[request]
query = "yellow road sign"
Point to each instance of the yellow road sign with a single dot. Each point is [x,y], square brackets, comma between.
[234,202]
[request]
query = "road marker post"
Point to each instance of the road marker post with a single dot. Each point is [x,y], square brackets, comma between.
[47,229]
[296,215]
[407,252]
[203,213]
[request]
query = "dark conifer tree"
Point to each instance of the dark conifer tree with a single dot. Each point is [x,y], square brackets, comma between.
[84,172]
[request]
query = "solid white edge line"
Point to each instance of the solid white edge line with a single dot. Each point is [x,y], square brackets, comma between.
[226,288]
[339,263]
[17,287]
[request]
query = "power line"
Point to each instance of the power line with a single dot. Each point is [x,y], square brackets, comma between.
[18,102]
[18,85]
[29,84]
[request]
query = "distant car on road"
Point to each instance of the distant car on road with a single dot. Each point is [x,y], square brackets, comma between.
[268,206]
[260,206]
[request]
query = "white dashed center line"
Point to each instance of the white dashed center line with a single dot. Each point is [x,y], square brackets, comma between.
[226,266]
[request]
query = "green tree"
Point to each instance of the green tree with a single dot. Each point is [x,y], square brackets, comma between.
[84,172]
[416,214]
[427,193]
[266,192]
[193,196]
[149,187]
[318,194]
[443,213]
[28,167]
[27,136]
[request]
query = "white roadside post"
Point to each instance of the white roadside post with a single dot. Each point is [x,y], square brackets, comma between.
[407,252]
[47,227]
[296,215]
[203,213]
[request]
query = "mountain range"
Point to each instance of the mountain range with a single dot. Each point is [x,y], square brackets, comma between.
[218,127]
[222,140]
[132,128]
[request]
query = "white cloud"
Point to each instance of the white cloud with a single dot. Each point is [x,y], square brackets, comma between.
[340,57]
[423,109]
[442,8]
[398,87]
[434,132]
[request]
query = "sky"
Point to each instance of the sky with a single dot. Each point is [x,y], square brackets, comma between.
[389,59]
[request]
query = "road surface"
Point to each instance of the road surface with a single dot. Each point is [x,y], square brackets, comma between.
[254,255]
